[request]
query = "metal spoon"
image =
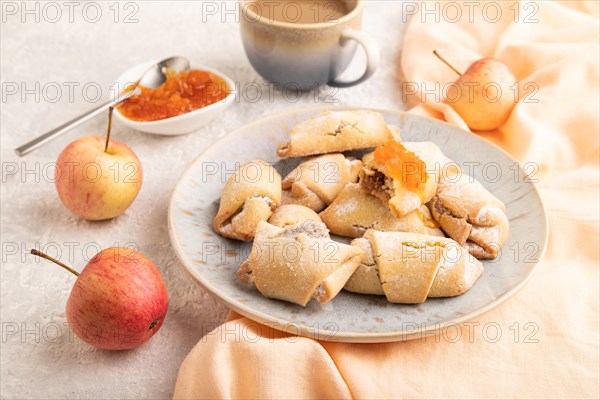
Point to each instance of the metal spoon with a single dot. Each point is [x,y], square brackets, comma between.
[152,78]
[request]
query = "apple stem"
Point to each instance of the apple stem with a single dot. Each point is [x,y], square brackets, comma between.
[446,62]
[110,113]
[54,260]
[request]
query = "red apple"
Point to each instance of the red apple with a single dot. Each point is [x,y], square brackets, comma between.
[118,301]
[97,178]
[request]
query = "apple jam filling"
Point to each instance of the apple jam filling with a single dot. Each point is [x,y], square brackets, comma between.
[179,94]
[402,165]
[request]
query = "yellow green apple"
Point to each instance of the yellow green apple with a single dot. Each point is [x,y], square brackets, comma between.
[484,95]
[97,178]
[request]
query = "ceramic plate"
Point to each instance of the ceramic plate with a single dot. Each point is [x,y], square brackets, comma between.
[212,260]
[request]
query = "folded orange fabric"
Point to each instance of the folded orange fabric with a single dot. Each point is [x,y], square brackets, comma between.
[548,342]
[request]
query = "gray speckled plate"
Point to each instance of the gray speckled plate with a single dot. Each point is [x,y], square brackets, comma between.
[212,260]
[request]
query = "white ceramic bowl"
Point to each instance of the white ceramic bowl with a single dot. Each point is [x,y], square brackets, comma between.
[181,124]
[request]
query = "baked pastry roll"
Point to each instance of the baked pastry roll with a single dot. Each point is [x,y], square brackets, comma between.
[410,267]
[404,175]
[471,215]
[316,182]
[250,195]
[337,131]
[299,263]
[292,214]
[353,212]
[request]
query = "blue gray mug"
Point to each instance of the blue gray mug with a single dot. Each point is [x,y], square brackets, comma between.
[305,55]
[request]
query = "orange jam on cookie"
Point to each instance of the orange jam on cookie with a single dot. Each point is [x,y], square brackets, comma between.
[403,165]
[179,94]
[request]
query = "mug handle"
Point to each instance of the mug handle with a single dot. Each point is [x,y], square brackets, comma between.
[371,50]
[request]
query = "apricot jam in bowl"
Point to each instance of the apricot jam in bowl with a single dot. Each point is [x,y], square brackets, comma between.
[187,101]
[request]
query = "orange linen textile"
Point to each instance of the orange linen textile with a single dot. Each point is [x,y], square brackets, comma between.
[543,342]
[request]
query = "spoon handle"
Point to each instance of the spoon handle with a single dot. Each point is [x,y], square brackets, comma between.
[56,132]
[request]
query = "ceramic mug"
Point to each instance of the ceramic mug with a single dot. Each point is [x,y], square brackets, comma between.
[291,52]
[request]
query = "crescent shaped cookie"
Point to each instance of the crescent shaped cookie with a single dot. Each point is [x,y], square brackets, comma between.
[427,163]
[250,195]
[337,131]
[299,263]
[292,214]
[410,267]
[353,212]
[316,182]
[471,215]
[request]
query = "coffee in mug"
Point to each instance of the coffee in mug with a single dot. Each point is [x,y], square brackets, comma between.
[300,11]
[303,44]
